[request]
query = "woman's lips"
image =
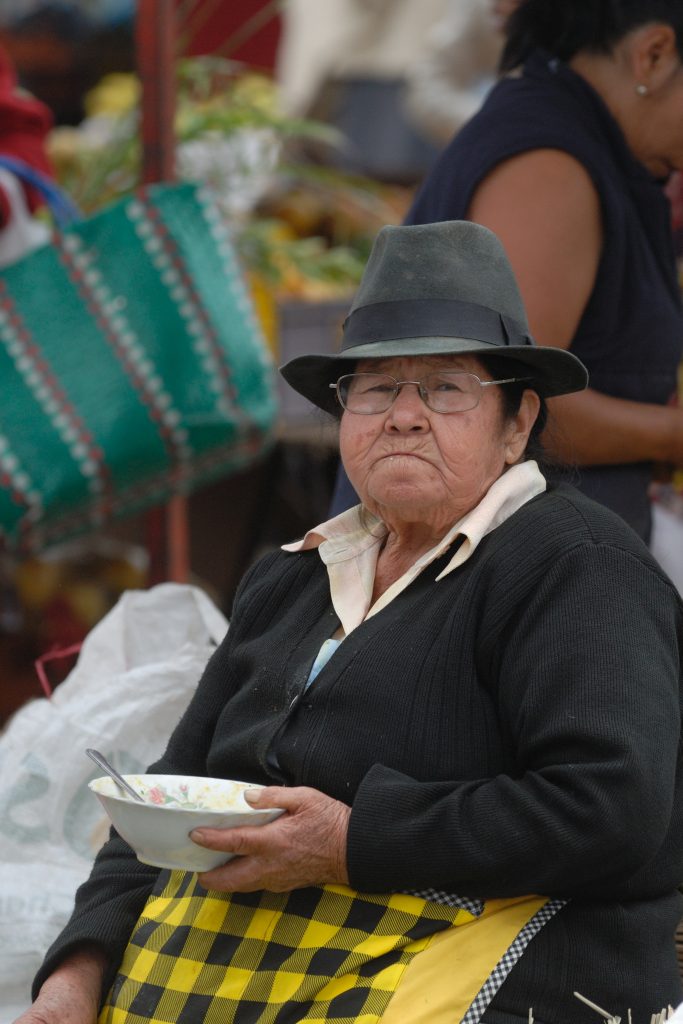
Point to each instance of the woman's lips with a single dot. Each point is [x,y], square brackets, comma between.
[404,455]
[399,457]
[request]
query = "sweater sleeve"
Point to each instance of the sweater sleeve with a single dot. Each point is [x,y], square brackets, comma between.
[109,903]
[587,673]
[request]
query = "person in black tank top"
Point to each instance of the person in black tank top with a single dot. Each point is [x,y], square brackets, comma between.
[565,162]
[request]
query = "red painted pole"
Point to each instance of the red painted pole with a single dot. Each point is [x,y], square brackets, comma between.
[156,55]
[155,47]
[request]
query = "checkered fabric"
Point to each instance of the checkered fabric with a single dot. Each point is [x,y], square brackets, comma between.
[509,959]
[449,899]
[315,955]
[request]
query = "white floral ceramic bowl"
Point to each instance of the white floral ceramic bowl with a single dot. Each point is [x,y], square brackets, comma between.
[159,829]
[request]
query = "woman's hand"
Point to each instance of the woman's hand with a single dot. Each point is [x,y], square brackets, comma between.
[305,846]
[71,995]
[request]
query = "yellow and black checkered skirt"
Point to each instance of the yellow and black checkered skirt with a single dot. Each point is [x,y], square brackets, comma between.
[315,955]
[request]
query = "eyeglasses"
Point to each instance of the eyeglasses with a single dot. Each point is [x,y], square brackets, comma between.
[446,391]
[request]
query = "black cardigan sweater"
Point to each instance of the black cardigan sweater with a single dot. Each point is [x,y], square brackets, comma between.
[513,729]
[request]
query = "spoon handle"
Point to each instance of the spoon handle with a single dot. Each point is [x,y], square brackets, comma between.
[100,760]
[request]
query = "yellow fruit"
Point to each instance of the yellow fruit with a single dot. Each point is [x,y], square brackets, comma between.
[256,91]
[88,602]
[119,575]
[116,93]
[266,310]
[37,582]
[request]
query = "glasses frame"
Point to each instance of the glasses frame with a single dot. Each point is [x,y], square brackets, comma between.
[422,390]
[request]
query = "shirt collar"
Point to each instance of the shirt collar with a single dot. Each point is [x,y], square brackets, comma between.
[349,544]
[504,497]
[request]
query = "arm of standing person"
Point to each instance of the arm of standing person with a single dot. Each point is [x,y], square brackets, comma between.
[545,209]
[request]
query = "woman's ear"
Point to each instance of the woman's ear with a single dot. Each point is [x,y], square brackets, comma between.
[520,426]
[653,55]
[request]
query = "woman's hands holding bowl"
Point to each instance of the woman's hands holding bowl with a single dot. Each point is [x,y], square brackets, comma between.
[306,846]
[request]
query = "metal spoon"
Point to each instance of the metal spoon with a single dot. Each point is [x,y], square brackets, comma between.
[100,760]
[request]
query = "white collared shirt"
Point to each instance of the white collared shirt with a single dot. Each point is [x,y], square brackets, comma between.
[350,545]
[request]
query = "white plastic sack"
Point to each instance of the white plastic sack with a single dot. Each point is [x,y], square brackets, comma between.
[667,542]
[135,674]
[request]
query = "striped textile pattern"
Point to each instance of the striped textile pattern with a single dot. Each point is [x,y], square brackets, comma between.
[132,365]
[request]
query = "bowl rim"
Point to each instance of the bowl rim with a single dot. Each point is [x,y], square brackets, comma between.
[222,811]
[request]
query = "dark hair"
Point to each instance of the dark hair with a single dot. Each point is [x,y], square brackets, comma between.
[564,27]
[511,394]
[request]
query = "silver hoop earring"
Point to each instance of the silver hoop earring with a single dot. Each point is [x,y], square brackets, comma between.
[642,89]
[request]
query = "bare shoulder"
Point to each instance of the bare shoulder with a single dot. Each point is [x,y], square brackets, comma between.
[544,207]
[540,175]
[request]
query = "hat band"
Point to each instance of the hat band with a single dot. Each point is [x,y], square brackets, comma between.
[428,318]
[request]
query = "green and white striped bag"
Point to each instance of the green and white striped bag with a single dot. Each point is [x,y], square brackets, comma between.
[131,367]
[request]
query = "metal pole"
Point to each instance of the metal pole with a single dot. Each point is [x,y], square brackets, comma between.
[155,47]
[156,55]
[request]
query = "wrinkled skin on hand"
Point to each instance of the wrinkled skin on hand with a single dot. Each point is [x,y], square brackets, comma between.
[71,995]
[61,1012]
[305,846]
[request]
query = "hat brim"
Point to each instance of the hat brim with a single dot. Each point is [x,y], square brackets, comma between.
[553,371]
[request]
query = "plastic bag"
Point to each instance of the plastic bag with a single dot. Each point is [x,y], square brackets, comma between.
[666,543]
[134,677]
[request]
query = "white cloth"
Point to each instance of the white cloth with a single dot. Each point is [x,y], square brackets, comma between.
[350,544]
[135,675]
[448,83]
[24,232]
[666,542]
[324,39]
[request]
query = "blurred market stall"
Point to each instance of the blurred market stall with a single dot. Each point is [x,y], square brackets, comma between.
[302,230]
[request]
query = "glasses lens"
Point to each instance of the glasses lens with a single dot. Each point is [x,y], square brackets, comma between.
[366,393]
[447,391]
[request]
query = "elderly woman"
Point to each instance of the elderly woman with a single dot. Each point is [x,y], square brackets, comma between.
[465,694]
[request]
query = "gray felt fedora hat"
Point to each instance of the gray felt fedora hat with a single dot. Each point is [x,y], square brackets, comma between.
[431,289]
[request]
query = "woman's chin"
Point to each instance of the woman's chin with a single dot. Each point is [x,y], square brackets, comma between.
[409,477]
[407,499]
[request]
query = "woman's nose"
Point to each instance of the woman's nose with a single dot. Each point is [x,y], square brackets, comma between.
[408,412]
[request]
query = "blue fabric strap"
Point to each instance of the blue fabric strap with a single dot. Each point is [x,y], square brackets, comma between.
[62,208]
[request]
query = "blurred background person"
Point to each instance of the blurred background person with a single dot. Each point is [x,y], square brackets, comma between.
[349,63]
[459,67]
[565,162]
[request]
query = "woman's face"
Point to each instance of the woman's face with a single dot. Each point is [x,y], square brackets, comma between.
[660,133]
[410,464]
[647,59]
